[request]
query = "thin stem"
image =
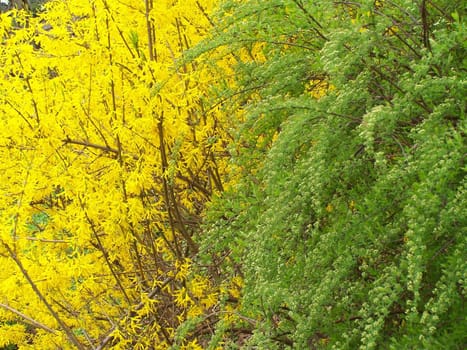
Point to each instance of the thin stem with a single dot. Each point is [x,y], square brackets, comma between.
[149,29]
[91,145]
[28,319]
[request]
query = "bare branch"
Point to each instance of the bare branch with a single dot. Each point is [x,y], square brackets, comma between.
[28,319]
[91,145]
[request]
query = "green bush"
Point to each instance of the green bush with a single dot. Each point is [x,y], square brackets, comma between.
[349,223]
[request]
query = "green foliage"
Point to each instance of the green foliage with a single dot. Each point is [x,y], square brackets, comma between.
[349,221]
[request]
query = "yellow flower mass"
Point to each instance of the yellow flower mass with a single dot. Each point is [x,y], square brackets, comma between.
[110,149]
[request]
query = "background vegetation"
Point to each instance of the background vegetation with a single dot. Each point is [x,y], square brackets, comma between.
[265,174]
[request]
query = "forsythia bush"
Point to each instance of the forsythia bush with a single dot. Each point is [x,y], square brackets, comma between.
[110,147]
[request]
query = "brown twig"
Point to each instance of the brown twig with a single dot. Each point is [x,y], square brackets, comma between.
[91,145]
[28,319]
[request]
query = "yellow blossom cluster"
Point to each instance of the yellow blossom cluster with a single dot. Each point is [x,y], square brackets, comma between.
[110,147]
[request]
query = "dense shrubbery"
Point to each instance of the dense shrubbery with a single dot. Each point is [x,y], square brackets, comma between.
[349,220]
[295,180]
[109,154]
